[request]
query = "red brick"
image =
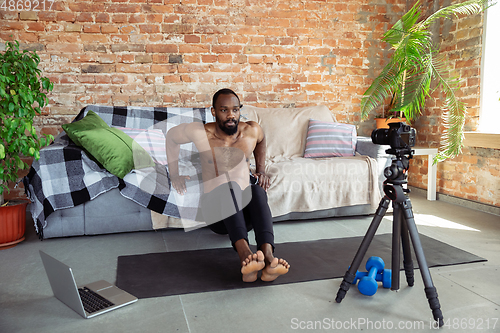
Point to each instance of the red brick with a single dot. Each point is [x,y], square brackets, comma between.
[102,18]
[137,18]
[84,17]
[109,29]
[149,28]
[177,29]
[209,58]
[194,48]
[93,38]
[122,8]
[128,29]
[192,39]
[85,7]
[12,26]
[161,9]
[91,28]
[35,26]
[119,18]
[89,79]
[226,49]
[119,38]
[47,16]
[173,78]
[161,48]
[155,38]
[168,68]
[102,79]
[65,16]
[225,58]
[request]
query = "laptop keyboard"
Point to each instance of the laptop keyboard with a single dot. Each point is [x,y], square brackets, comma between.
[92,301]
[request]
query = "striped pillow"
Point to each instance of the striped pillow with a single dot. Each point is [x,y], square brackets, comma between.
[152,140]
[328,139]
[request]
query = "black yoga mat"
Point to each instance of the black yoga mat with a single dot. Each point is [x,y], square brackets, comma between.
[184,272]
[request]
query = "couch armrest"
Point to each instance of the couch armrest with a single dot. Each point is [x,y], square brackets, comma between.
[365,146]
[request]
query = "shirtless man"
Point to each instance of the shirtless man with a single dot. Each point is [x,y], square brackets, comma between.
[225,148]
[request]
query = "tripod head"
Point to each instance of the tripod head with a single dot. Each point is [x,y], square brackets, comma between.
[396,174]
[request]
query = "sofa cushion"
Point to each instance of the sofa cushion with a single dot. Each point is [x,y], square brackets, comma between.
[329,139]
[89,122]
[151,140]
[111,147]
[286,128]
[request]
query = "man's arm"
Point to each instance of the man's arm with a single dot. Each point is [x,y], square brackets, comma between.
[175,137]
[180,134]
[260,158]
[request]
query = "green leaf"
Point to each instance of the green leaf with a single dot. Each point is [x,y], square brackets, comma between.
[2,151]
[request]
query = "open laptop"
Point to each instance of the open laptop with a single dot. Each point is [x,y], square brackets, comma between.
[89,301]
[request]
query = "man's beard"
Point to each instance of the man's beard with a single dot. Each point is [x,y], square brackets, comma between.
[228,130]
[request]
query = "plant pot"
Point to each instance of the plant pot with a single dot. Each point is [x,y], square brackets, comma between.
[12,224]
[384,122]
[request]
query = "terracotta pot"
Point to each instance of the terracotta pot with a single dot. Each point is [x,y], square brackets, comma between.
[384,122]
[12,224]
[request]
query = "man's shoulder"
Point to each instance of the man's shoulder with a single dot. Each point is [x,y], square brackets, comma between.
[251,124]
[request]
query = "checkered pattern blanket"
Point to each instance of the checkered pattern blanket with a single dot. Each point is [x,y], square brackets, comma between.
[66,175]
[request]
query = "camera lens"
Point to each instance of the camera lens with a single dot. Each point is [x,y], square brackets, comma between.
[380,136]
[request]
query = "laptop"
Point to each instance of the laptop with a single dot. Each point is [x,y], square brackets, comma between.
[89,301]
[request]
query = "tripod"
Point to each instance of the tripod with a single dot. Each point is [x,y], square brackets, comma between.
[403,224]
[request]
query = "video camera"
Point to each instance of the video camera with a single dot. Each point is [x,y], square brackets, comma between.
[399,136]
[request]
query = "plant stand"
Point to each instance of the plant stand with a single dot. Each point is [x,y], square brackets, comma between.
[12,224]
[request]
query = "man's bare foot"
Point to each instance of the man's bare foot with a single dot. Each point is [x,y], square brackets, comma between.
[276,268]
[251,266]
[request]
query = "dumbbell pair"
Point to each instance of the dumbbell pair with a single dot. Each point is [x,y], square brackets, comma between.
[368,283]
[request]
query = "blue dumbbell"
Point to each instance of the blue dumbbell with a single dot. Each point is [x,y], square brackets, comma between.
[384,277]
[368,280]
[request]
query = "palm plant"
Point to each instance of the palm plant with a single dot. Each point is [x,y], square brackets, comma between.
[415,63]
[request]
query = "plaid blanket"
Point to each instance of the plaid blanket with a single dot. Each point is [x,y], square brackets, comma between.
[66,175]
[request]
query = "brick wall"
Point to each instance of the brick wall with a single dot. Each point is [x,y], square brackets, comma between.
[280,53]
[475,174]
[178,53]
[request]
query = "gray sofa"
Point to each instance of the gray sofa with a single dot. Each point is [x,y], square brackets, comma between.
[112,212]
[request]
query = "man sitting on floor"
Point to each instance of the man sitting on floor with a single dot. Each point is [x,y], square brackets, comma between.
[225,147]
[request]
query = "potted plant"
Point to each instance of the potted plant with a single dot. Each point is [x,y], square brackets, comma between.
[416,61]
[22,96]
[388,115]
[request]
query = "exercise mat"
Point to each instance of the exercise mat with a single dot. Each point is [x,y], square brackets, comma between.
[195,271]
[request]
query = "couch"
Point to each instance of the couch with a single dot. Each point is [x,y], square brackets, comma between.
[73,194]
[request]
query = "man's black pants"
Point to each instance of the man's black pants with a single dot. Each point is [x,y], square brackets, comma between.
[255,215]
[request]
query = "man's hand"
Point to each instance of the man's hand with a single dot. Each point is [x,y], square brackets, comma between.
[179,183]
[263,179]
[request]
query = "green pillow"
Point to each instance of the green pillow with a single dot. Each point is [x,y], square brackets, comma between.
[90,121]
[110,146]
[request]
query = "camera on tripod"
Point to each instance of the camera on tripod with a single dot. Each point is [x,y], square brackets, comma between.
[398,136]
[401,137]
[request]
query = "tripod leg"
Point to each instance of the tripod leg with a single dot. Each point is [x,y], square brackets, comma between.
[350,275]
[407,260]
[430,290]
[396,232]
